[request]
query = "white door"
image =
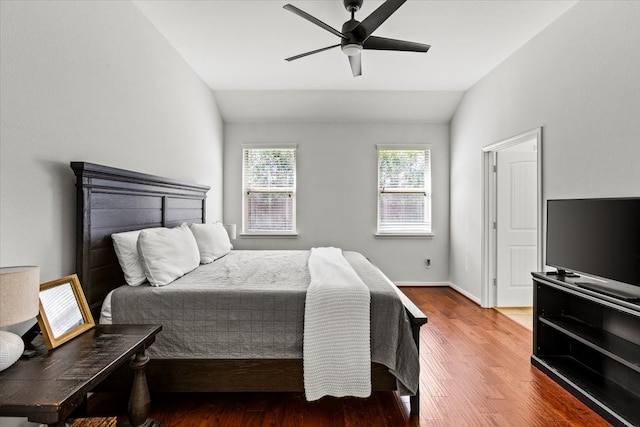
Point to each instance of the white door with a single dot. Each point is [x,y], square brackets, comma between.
[516,228]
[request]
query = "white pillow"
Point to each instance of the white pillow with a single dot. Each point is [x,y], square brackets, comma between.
[167,253]
[126,247]
[213,241]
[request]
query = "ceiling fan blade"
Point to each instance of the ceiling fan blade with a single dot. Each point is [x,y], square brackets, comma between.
[319,23]
[356,65]
[377,17]
[382,43]
[311,53]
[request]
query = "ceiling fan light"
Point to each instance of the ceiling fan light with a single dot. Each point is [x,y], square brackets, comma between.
[351,49]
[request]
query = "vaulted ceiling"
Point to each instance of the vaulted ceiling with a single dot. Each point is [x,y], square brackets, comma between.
[238,48]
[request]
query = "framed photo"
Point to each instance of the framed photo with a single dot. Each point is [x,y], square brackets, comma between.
[64,312]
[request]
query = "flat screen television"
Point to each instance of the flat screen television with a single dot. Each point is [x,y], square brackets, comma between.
[597,237]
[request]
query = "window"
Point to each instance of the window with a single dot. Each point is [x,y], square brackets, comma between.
[404,190]
[269,185]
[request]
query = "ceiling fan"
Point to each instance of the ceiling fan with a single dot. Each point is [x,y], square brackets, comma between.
[356,35]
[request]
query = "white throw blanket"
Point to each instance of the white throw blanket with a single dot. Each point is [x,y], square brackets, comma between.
[336,344]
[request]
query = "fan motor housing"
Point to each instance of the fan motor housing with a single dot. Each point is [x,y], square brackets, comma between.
[352,5]
[354,33]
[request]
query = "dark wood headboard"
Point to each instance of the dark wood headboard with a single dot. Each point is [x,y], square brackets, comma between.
[111,200]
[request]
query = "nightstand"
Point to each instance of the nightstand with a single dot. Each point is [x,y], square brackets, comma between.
[50,386]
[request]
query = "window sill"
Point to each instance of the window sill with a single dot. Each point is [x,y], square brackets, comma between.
[404,235]
[268,235]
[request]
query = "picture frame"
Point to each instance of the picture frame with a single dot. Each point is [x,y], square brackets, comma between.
[64,312]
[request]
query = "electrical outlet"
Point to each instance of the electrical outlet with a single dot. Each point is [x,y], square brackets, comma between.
[427,263]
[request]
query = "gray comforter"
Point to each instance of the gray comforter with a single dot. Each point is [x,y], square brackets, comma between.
[250,305]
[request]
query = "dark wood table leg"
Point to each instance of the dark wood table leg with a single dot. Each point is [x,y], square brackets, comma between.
[140,400]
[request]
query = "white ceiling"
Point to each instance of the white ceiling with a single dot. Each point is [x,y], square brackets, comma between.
[238,49]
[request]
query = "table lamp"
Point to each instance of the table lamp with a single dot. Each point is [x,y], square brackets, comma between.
[19,302]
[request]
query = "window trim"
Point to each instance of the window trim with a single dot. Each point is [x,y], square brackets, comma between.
[410,233]
[293,233]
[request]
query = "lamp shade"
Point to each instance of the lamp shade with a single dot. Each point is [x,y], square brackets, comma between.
[19,291]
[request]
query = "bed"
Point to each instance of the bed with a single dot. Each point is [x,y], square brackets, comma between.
[111,200]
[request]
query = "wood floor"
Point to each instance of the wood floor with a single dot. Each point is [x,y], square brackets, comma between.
[521,315]
[475,371]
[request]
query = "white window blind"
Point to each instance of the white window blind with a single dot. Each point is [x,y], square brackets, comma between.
[404,190]
[269,184]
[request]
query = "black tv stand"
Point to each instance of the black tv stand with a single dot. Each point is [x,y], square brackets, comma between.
[562,273]
[613,292]
[589,343]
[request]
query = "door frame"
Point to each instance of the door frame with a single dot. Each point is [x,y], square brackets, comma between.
[489,183]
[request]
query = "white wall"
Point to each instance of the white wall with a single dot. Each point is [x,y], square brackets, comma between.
[90,81]
[337,191]
[579,80]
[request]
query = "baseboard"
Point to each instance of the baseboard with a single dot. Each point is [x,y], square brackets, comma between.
[417,284]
